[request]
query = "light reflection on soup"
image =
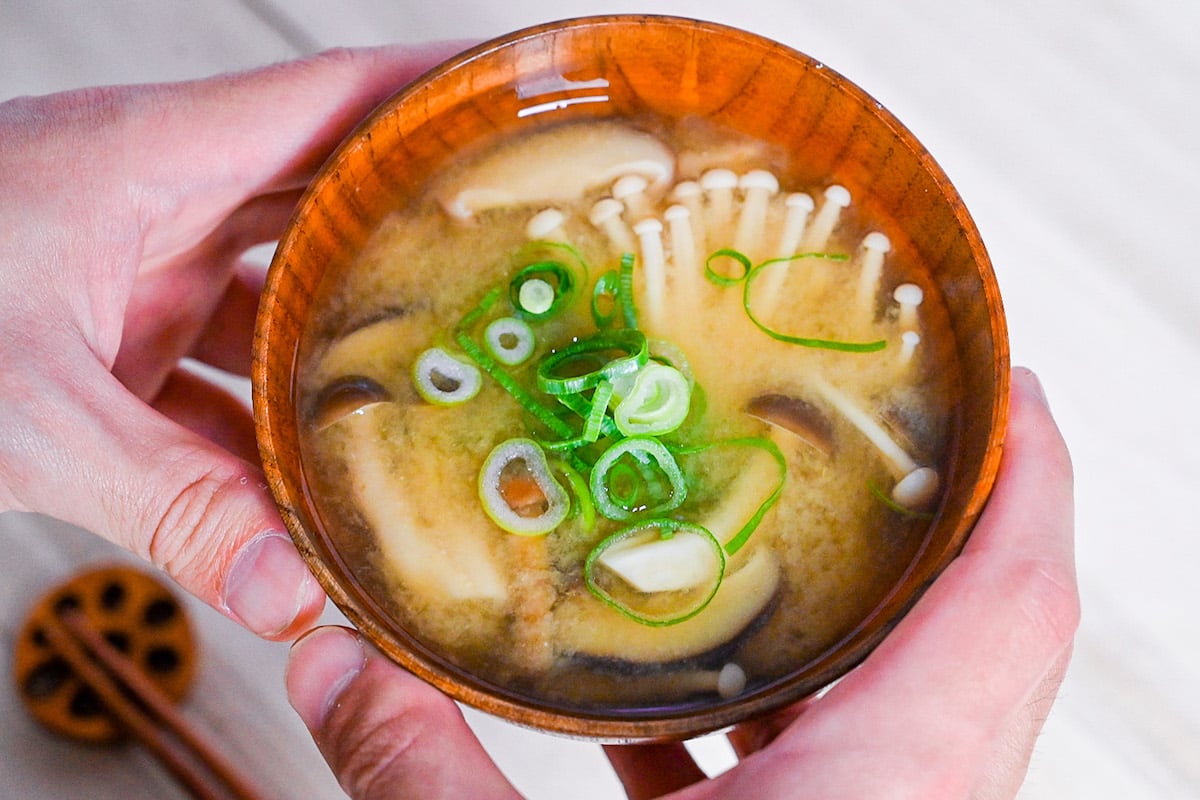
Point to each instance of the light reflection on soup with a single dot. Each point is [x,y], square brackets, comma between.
[608,557]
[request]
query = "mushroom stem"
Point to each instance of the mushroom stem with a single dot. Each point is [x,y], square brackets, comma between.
[816,238]
[718,186]
[649,235]
[799,205]
[870,266]
[758,187]
[916,486]
[899,462]
[909,296]
[606,216]
[729,681]
[908,346]
[689,195]
[630,190]
[684,270]
[546,225]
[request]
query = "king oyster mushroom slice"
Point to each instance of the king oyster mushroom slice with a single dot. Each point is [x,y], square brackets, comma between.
[590,629]
[446,565]
[555,165]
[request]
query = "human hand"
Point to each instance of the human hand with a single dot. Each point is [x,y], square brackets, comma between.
[948,706]
[124,216]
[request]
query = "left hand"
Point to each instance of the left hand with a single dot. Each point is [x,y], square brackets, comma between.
[124,214]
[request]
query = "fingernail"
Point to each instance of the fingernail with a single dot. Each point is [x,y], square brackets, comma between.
[1032,384]
[268,585]
[321,666]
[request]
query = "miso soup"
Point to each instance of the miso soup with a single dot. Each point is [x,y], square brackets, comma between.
[616,416]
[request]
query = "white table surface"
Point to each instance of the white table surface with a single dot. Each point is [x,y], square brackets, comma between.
[1071,129]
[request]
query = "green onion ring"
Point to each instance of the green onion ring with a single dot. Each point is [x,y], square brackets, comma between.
[667,528]
[496,333]
[443,380]
[631,342]
[657,404]
[645,450]
[727,252]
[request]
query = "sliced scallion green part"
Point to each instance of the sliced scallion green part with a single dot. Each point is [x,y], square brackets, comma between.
[803,341]
[655,486]
[723,280]
[605,301]
[739,539]
[657,572]
[583,496]
[527,401]
[625,281]
[555,376]
[444,380]
[509,340]
[657,403]
[519,492]
[541,291]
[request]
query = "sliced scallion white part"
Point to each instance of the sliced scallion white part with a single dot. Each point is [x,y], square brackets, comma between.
[509,340]
[519,492]
[657,403]
[444,380]
[536,296]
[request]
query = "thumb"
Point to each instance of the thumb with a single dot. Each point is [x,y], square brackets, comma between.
[385,733]
[80,447]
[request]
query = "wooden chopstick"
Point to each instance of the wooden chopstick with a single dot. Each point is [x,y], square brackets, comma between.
[146,713]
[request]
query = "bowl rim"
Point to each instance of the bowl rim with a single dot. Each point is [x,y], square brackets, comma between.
[601,726]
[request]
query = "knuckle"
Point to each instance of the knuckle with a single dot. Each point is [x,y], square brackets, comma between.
[195,516]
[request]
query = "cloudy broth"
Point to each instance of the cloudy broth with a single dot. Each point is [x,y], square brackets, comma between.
[693,562]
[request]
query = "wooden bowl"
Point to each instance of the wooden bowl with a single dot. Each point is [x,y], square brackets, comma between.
[622,65]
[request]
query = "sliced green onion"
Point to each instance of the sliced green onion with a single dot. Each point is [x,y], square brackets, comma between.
[518,491]
[444,380]
[826,344]
[658,572]
[610,495]
[605,300]
[542,290]
[721,280]
[509,340]
[628,309]
[550,374]
[527,401]
[657,403]
[592,423]
[583,496]
[739,539]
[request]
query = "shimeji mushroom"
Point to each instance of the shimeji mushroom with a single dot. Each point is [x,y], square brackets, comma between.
[916,485]
[909,297]
[684,272]
[631,191]
[908,346]
[797,207]
[758,187]
[690,195]
[649,233]
[555,165]
[796,416]
[817,236]
[546,224]
[718,186]
[871,252]
[606,217]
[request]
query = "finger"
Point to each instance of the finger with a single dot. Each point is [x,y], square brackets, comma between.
[653,770]
[927,709]
[315,101]
[210,412]
[227,340]
[750,737]
[79,447]
[386,734]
